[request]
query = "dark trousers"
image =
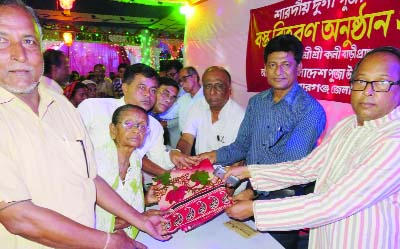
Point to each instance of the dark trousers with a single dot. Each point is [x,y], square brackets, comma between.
[289,239]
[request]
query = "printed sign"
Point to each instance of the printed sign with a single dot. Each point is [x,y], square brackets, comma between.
[335,35]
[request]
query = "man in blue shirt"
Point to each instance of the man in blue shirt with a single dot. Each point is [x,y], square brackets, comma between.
[281,124]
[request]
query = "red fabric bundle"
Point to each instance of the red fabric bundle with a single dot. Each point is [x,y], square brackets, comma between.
[191,196]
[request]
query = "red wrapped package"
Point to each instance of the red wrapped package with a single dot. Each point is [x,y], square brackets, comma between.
[191,196]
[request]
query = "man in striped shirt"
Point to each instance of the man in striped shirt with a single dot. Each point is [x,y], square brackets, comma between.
[356,199]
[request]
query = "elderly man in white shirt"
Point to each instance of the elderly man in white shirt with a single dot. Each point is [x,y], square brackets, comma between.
[215,121]
[139,87]
[189,80]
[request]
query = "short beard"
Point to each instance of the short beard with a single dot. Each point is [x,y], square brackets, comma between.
[28,90]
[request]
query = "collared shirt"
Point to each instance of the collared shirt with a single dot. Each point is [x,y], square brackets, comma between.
[211,136]
[276,132]
[185,103]
[356,199]
[51,84]
[46,158]
[97,113]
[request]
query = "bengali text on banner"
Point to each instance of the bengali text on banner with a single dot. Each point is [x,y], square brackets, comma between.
[336,34]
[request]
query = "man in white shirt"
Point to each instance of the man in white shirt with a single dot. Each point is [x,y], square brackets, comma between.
[215,121]
[189,79]
[139,88]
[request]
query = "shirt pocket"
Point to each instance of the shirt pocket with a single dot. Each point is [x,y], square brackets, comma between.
[75,152]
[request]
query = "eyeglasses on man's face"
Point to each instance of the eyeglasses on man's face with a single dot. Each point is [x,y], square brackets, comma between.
[184,78]
[219,87]
[376,85]
[129,125]
[165,94]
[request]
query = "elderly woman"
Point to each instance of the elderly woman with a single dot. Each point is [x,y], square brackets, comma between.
[119,164]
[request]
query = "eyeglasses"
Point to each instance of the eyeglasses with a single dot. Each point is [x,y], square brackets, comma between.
[184,78]
[376,85]
[129,125]
[218,87]
[167,95]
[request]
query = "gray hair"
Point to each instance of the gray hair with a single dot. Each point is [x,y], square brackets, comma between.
[22,5]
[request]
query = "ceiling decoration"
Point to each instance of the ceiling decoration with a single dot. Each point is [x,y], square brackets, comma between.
[162,2]
[117,15]
[154,2]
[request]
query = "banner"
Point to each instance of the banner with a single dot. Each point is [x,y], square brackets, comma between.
[336,34]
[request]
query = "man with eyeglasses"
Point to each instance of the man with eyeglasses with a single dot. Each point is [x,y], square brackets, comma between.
[189,80]
[214,122]
[166,96]
[170,69]
[356,199]
[281,124]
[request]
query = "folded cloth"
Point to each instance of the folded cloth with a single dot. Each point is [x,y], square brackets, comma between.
[191,196]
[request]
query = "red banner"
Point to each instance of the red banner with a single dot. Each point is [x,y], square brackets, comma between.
[335,35]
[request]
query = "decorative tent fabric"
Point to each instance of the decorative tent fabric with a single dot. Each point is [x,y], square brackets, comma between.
[84,55]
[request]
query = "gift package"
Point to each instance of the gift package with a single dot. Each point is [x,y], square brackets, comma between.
[192,196]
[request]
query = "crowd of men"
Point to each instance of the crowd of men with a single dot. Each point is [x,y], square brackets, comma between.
[49,185]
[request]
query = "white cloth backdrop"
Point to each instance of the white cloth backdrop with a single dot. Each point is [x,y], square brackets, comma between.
[216,34]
